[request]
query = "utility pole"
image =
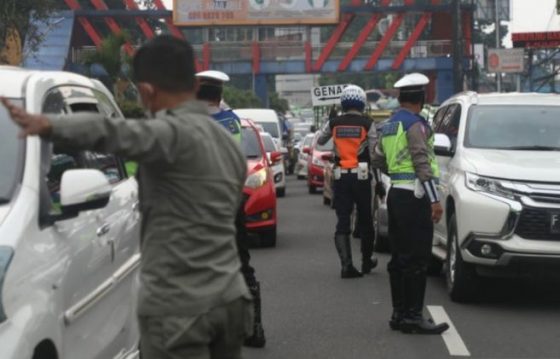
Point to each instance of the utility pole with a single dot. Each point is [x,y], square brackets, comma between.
[457,48]
[497,20]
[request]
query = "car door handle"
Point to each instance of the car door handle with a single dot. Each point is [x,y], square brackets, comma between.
[103,230]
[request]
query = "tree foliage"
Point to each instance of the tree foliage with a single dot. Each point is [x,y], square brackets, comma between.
[277,103]
[111,56]
[22,16]
[236,98]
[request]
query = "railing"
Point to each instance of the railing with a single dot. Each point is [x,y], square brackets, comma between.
[295,50]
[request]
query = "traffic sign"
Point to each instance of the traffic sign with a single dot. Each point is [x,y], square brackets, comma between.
[506,60]
[327,95]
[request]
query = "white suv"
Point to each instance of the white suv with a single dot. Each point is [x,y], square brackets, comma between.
[500,188]
[69,232]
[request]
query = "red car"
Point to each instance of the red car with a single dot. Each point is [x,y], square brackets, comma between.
[316,163]
[259,192]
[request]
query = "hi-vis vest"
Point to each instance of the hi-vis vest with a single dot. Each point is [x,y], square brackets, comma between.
[350,132]
[395,147]
[231,122]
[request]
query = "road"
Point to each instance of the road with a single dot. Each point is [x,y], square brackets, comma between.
[309,312]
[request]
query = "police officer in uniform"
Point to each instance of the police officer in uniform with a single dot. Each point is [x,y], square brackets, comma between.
[354,136]
[406,151]
[210,91]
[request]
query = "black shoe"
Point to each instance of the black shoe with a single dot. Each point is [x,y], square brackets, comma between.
[421,325]
[350,272]
[368,264]
[396,320]
[257,340]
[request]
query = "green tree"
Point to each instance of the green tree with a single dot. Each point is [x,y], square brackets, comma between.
[111,56]
[21,16]
[236,98]
[277,103]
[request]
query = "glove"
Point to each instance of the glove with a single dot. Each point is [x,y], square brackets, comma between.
[380,190]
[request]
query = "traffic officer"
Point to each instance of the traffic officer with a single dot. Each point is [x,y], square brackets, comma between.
[354,137]
[210,90]
[406,151]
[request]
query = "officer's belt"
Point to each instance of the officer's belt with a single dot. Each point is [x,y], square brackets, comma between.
[407,177]
[348,170]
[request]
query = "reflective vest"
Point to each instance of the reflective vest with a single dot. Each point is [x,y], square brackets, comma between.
[350,136]
[231,122]
[395,147]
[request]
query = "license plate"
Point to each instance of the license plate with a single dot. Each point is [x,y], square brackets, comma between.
[555,223]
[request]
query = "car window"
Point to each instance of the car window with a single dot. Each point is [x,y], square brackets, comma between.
[326,147]
[268,143]
[450,123]
[11,154]
[108,164]
[270,127]
[308,141]
[250,143]
[438,118]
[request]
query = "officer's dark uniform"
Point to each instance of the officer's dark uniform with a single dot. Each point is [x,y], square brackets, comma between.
[354,135]
[406,151]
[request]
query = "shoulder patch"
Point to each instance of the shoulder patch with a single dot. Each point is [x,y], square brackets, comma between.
[390,128]
[348,132]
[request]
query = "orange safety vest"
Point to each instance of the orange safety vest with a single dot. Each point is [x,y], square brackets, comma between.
[350,136]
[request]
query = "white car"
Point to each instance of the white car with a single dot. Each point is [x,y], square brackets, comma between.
[265,118]
[69,232]
[499,156]
[305,146]
[278,168]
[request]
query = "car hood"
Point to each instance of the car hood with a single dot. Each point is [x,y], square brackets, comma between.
[538,166]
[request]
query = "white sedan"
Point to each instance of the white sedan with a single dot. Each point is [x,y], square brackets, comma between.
[278,168]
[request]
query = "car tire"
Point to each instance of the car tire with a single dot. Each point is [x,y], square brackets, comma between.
[312,189]
[280,192]
[268,237]
[462,281]
[326,201]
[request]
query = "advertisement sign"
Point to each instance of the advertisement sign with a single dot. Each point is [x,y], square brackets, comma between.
[542,40]
[506,60]
[255,12]
[327,95]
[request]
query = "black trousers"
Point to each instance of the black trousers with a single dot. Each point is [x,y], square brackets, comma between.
[242,241]
[410,234]
[349,191]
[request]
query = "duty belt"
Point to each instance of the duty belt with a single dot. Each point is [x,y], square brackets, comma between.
[348,170]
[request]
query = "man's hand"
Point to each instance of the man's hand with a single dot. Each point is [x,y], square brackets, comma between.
[380,190]
[30,124]
[437,212]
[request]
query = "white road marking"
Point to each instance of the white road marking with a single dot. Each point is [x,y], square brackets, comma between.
[451,337]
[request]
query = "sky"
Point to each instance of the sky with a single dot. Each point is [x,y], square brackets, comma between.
[527,16]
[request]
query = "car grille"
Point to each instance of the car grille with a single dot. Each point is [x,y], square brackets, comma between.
[534,224]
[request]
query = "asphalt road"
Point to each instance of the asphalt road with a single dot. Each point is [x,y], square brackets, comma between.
[309,312]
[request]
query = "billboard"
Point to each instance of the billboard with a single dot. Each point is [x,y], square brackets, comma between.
[255,12]
[506,60]
[550,39]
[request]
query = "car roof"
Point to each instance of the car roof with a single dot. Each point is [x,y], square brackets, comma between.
[511,98]
[16,79]
[257,114]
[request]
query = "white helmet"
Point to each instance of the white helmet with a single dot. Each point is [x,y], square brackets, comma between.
[214,75]
[353,98]
[413,81]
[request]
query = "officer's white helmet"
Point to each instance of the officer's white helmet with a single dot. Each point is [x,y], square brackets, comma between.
[214,75]
[353,98]
[412,80]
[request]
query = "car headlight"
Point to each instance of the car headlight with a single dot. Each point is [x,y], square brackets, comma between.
[318,162]
[489,185]
[6,254]
[257,179]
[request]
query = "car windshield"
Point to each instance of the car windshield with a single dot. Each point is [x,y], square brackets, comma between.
[308,141]
[514,128]
[270,127]
[11,151]
[250,143]
[326,147]
[268,144]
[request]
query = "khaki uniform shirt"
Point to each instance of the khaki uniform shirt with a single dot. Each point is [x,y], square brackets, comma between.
[191,174]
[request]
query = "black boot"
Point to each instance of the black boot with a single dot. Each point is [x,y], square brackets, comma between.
[366,245]
[395,280]
[368,264]
[257,340]
[342,243]
[414,321]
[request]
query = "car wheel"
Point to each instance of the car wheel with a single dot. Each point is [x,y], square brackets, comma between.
[268,237]
[381,243]
[462,281]
[326,201]
[312,189]
[280,192]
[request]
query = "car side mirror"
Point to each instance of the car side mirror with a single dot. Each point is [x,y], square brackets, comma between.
[327,157]
[276,157]
[307,150]
[83,190]
[442,145]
